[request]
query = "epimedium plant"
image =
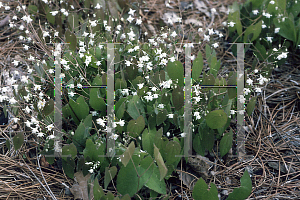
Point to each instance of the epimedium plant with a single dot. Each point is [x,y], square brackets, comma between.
[149,103]
[271,25]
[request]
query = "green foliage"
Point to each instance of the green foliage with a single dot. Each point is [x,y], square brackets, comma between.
[244,191]
[201,191]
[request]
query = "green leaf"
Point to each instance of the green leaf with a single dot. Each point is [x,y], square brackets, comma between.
[216,119]
[160,162]
[71,38]
[97,102]
[50,18]
[135,107]
[161,117]
[244,191]
[32,9]
[93,151]
[226,143]
[18,140]
[120,108]
[172,149]
[145,170]
[197,66]
[49,107]
[251,105]
[287,28]
[232,91]
[69,166]
[125,158]
[178,98]
[255,30]
[82,132]
[69,149]
[80,108]
[135,127]
[200,149]
[127,179]
[148,140]
[109,175]
[155,183]
[97,190]
[201,191]
[175,71]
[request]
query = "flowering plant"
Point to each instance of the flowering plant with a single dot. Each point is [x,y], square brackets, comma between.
[271,25]
[149,95]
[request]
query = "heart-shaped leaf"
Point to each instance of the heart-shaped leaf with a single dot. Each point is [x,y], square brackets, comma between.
[135,127]
[251,105]
[178,98]
[97,190]
[69,149]
[197,66]
[125,158]
[18,140]
[175,71]
[49,107]
[109,175]
[69,166]
[71,38]
[161,117]
[244,191]
[216,119]
[160,162]
[226,143]
[201,191]
[232,82]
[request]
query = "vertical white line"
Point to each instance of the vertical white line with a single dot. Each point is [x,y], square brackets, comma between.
[110,100]
[187,104]
[58,103]
[240,105]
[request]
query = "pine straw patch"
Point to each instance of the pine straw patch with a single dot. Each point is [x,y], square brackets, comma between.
[21,180]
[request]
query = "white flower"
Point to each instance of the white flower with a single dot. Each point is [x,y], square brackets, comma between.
[138,21]
[27,109]
[91,170]
[232,112]
[168,134]
[50,127]
[257,89]
[206,38]
[183,134]
[122,122]
[174,34]
[277,30]
[170,115]
[108,28]
[140,85]
[272,2]
[231,24]
[71,93]
[215,45]
[100,122]
[255,71]
[210,31]
[172,59]
[269,39]
[249,81]
[98,6]
[130,19]
[51,136]
[114,136]
[267,15]
[263,26]
[54,13]
[40,134]
[161,105]
[131,12]
[93,23]
[246,91]
[255,12]
[241,112]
